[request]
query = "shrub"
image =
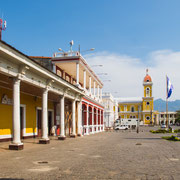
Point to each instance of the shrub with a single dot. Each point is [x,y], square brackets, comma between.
[171,138]
[177,131]
[160,131]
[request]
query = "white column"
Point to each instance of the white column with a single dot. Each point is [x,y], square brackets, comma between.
[94,93]
[45,115]
[103,119]
[101,93]
[84,80]
[97,121]
[77,73]
[100,121]
[54,68]
[62,134]
[73,118]
[90,85]
[16,112]
[87,120]
[80,118]
[98,91]
[93,119]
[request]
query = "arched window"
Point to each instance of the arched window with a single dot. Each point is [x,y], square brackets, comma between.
[132,109]
[147,92]
[59,73]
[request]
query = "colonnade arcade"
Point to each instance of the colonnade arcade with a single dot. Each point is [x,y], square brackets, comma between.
[92,117]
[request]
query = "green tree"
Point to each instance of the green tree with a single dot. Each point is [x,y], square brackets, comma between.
[178,117]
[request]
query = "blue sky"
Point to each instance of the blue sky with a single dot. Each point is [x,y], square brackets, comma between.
[133,28]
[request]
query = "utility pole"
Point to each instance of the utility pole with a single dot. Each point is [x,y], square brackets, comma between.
[137,130]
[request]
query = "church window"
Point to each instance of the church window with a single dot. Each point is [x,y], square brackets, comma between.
[148,92]
[132,109]
[147,103]
[147,118]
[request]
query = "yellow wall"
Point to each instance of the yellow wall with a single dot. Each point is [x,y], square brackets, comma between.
[148,107]
[6,112]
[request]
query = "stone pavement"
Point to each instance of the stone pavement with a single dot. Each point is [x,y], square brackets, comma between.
[108,155]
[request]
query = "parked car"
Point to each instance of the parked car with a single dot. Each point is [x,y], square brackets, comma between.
[163,126]
[121,127]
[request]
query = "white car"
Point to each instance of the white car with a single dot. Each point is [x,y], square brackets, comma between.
[121,127]
[163,126]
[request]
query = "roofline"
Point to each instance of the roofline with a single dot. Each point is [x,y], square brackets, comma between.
[42,57]
[75,58]
[3,42]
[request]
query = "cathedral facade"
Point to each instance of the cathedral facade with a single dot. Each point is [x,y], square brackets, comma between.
[136,110]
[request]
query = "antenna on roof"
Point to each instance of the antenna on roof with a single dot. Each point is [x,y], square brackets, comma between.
[3,25]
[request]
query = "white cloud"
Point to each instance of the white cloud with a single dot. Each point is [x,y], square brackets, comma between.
[126,73]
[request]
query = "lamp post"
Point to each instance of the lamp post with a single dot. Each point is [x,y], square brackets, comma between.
[102,74]
[71,52]
[106,80]
[138,122]
[3,26]
[97,65]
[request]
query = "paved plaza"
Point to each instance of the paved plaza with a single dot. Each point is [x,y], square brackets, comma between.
[107,155]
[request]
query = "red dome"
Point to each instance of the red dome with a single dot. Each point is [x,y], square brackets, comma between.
[147,78]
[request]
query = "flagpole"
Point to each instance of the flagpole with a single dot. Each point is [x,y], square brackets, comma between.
[167,121]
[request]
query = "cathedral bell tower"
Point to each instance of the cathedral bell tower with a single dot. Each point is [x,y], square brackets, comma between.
[147,107]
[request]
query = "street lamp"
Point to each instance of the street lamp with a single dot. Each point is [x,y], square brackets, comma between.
[102,74]
[97,65]
[106,80]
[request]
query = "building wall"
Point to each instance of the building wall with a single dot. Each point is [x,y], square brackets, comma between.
[31,104]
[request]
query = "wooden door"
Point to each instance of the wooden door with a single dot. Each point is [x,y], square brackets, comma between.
[39,122]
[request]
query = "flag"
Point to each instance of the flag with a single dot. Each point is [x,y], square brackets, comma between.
[169,88]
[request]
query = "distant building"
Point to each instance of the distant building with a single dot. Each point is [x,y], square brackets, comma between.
[163,115]
[110,109]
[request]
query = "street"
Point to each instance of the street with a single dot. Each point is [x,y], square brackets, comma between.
[106,155]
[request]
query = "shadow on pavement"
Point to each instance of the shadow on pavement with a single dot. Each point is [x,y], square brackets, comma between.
[145,138]
[10,179]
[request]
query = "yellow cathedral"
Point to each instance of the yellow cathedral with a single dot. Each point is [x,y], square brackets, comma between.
[138,109]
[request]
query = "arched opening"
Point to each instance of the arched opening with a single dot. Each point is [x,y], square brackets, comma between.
[147,92]
[84,117]
[95,121]
[90,118]
[132,109]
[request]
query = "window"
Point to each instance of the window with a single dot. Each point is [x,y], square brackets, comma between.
[132,109]
[147,92]
[161,115]
[129,120]
[125,108]
[134,116]
[147,80]
[147,118]
[147,103]
[59,73]
[130,116]
[118,109]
